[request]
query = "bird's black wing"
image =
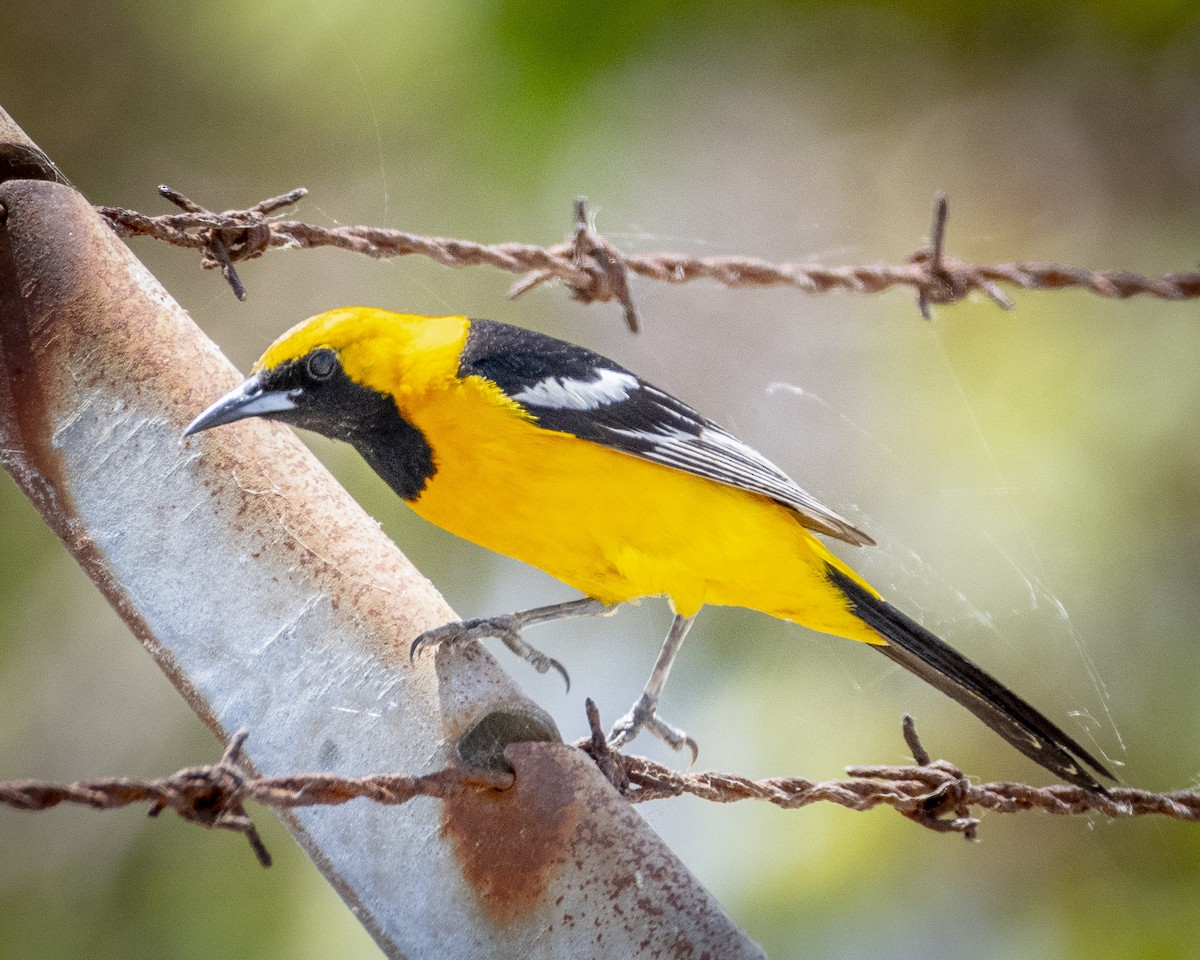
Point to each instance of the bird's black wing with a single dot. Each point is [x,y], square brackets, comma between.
[576,391]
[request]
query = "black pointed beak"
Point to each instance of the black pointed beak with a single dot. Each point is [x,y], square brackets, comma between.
[251,399]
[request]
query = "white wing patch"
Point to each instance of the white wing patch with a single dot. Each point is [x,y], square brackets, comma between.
[568,393]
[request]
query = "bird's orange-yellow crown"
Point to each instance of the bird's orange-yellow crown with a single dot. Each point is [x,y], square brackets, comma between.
[394,352]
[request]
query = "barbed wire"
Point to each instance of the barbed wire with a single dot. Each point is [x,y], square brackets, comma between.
[215,795]
[933,793]
[594,270]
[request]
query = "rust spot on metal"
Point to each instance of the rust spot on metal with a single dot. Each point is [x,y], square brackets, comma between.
[511,843]
[24,422]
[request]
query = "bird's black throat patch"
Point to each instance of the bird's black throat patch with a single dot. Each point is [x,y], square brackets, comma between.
[337,407]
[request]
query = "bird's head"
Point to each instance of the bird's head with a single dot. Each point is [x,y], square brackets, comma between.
[343,371]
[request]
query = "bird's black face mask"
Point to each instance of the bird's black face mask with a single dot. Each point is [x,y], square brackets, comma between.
[313,392]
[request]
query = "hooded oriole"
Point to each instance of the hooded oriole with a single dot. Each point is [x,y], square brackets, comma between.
[549,453]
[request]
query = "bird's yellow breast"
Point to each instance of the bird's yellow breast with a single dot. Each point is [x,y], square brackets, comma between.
[610,524]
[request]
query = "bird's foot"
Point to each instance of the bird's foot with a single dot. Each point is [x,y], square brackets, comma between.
[507,629]
[644,716]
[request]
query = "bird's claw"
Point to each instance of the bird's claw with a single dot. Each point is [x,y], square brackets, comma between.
[507,629]
[540,662]
[453,634]
[643,715]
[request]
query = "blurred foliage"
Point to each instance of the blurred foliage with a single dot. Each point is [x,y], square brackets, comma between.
[1033,478]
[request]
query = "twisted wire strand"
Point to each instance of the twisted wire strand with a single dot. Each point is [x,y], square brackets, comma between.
[594,270]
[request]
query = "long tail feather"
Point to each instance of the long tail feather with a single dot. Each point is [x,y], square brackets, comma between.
[930,658]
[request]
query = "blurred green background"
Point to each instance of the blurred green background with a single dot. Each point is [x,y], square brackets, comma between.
[1033,478]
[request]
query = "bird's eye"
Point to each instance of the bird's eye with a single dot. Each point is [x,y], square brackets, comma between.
[321,364]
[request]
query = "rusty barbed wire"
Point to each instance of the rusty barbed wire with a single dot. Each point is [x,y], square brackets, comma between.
[214,796]
[933,793]
[594,270]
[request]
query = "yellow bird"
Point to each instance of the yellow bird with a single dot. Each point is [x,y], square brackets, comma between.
[547,452]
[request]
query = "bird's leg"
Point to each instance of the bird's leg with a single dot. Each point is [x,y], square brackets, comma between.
[508,629]
[644,712]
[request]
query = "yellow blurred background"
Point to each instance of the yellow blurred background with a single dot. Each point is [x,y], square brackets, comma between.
[1033,478]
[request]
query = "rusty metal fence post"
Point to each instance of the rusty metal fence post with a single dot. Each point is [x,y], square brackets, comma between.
[273,602]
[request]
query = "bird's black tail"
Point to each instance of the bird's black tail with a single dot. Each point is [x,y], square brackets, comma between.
[919,651]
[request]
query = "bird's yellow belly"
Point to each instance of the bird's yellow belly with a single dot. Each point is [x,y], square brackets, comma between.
[617,527]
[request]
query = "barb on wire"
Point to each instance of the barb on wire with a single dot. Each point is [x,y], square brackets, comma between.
[603,263]
[224,237]
[947,281]
[933,793]
[594,270]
